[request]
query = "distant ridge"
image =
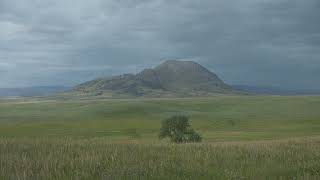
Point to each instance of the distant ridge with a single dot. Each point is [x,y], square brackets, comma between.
[172,79]
[269,90]
[32,91]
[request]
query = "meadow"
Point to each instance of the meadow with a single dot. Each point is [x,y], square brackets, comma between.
[244,137]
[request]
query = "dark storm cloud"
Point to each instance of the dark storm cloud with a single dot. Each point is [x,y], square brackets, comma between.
[263,42]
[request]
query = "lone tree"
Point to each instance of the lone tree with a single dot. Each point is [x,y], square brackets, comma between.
[177,128]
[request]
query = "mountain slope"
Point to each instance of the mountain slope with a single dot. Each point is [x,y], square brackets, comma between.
[171,78]
[188,75]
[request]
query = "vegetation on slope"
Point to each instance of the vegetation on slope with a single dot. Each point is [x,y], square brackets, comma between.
[170,79]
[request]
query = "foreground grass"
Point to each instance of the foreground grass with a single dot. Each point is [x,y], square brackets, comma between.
[68,158]
[245,137]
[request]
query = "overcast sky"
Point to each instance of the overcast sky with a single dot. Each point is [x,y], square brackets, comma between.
[253,42]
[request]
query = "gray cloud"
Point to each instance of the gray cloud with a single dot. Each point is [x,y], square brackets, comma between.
[258,42]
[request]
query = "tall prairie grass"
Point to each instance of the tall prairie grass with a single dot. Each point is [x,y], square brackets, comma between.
[96,158]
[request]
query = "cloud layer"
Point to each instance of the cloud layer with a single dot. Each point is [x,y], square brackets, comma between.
[65,42]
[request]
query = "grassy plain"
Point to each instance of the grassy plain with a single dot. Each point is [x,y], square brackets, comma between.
[250,137]
[99,159]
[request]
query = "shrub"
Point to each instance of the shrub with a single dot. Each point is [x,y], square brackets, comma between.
[177,128]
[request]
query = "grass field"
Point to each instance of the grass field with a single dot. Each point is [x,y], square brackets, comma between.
[99,159]
[250,137]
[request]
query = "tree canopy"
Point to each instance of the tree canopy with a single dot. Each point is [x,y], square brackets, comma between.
[178,129]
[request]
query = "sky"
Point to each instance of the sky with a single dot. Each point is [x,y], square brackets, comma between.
[249,42]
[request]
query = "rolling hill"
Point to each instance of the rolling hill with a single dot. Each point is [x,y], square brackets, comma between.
[170,79]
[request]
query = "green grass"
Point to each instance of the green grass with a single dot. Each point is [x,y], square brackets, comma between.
[99,159]
[245,137]
[218,118]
